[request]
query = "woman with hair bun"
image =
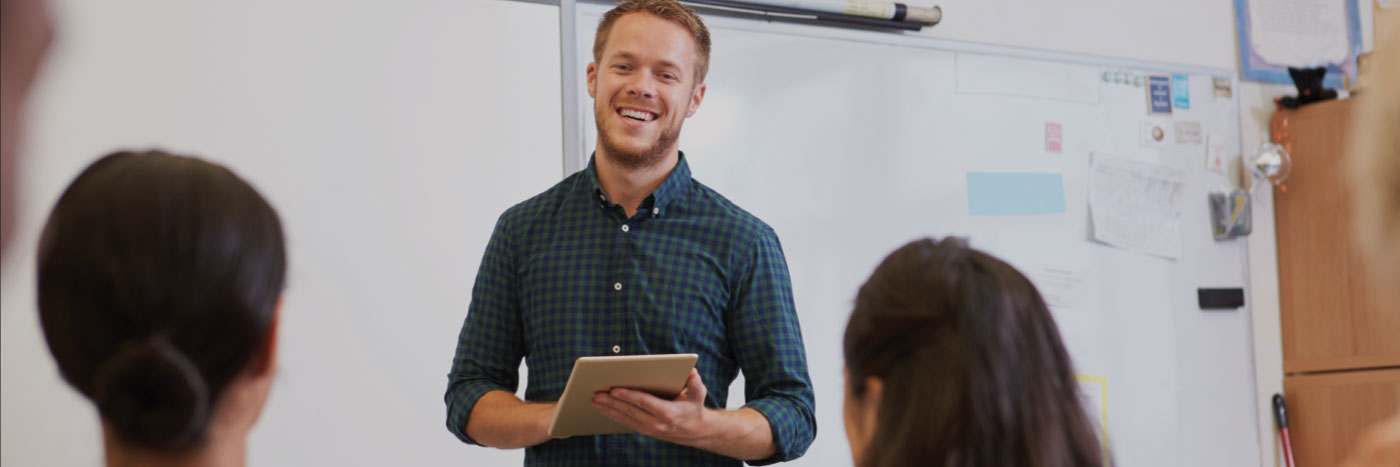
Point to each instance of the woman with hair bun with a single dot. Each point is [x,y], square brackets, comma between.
[953,360]
[160,279]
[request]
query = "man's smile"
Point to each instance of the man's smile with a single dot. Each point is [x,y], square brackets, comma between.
[636,114]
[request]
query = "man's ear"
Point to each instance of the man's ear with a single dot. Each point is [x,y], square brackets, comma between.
[266,358]
[696,95]
[592,74]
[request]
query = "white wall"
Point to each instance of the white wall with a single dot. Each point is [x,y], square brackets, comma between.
[1257,107]
[389,135]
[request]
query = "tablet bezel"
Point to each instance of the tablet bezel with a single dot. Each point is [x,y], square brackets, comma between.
[664,376]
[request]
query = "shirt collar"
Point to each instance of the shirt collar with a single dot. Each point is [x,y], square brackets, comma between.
[672,189]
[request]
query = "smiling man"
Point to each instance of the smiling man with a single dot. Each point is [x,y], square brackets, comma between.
[632,256]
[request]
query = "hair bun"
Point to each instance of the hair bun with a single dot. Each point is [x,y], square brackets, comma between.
[153,395]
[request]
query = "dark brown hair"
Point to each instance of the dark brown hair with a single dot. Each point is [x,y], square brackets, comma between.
[669,10]
[973,368]
[159,277]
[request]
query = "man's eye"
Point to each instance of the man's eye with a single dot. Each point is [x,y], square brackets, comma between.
[622,67]
[668,76]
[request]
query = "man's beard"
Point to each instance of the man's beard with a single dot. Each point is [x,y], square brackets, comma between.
[644,158]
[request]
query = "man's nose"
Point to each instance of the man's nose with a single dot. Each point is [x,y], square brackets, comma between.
[641,86]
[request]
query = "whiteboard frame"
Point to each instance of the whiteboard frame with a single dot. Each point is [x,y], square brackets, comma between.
[575,155]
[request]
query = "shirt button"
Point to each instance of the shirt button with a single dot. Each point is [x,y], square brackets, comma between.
[617,349]
[626,228]
[602,198]
[655,211]
[617,286]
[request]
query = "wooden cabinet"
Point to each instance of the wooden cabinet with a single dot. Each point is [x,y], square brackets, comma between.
[1341,327]
[1327,412]
[1331,317]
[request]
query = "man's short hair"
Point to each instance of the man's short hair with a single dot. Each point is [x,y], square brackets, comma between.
[669,10]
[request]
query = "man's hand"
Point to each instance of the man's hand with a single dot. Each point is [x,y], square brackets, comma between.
[741,434]
[683,420]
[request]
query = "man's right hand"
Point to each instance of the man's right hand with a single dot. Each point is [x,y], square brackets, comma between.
[503,421]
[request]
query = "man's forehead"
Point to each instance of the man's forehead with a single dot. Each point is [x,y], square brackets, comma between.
[659,32]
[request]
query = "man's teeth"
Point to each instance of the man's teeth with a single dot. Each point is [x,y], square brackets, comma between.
[636,115]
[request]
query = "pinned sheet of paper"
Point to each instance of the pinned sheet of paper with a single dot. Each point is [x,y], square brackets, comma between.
[1222,87]
[1136,205]
[1217,150]
[1093,394]
[1061,287]
[1054,137]
[1187,132]
[1014,193]
[1154,134]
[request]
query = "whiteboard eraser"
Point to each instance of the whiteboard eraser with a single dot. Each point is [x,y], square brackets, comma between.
[1220,299]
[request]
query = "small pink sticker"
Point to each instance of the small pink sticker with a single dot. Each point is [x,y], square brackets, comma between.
[1053,136]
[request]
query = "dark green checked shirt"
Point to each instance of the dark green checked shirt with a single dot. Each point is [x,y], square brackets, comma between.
[567,274]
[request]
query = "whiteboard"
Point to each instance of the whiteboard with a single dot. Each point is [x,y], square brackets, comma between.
[851,143]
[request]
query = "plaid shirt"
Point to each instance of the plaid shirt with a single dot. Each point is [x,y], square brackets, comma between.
[567,274]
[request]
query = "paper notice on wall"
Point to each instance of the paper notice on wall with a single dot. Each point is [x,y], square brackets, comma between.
[1217,149]
[1299,32]
[1061,287]
[1187,132]
[1136,205]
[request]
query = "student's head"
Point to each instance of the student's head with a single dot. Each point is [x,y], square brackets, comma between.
[648,72]
[159,281]
[953,359]
[25,32]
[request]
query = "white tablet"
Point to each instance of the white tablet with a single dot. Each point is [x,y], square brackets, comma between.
[660,375]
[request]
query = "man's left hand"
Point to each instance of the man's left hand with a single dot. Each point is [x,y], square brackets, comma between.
[683,420]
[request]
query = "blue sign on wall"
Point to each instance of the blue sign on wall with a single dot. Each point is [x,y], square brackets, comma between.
[1181,91]
[1159,94]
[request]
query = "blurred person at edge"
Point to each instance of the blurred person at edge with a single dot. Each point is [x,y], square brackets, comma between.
[1375,172]
[25,33]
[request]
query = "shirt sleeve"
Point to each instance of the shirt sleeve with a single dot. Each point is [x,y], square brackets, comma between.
[491,344]
[763,329]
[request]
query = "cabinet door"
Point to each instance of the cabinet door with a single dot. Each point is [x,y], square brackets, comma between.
[1327,412]
[1328,318]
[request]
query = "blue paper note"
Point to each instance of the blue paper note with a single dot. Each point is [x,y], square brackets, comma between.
[1181,91]
[1012,193]
[1159,94]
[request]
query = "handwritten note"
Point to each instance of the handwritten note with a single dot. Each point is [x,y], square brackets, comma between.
[1299,32]
[1136,205]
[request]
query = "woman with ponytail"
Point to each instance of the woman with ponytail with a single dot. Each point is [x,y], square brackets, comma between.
[952,359]
[160,278]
